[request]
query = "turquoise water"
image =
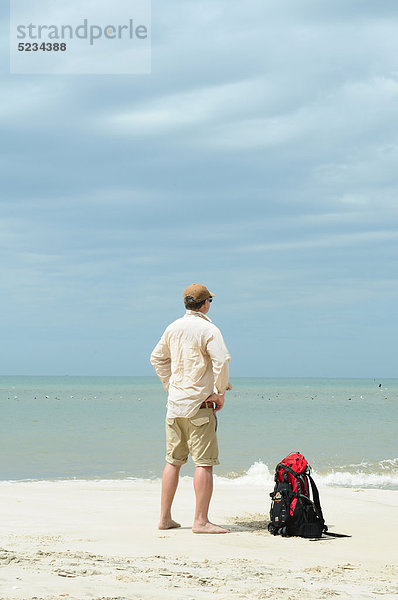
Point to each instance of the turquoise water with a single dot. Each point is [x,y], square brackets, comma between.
[89,427]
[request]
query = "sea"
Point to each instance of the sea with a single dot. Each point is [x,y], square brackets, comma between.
[112,428]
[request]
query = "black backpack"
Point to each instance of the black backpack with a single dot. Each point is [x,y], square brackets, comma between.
[293,512]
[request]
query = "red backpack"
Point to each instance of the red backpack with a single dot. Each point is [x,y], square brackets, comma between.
[292,510]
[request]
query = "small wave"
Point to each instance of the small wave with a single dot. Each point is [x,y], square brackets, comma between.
[388,464]
[259,475]
[358,479]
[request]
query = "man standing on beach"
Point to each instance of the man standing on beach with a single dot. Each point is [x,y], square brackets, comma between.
[191,360]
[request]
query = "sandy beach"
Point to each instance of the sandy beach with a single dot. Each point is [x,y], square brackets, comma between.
[99,540]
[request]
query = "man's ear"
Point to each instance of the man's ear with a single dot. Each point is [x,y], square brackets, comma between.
[205,306]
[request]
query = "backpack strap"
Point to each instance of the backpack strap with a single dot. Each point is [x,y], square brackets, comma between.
[317,502]
[317,505]
[286,469]
[336,535]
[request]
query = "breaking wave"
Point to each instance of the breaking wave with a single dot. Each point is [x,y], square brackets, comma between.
[383,475]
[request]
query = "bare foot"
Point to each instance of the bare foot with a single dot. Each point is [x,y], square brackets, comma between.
[209,528]
[169,524]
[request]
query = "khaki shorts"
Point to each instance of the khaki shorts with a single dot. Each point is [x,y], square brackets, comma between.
[195,436]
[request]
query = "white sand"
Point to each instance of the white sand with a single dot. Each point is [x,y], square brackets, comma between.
[98,540]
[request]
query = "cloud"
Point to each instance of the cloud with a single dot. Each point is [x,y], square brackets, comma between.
[195,107]
[260,157]
[325,241]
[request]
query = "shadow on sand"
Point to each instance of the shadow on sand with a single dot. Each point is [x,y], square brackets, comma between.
[256,523]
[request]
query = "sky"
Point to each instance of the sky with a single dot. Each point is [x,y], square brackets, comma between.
[259,157]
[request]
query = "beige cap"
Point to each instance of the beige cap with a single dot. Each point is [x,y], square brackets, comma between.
[198,292]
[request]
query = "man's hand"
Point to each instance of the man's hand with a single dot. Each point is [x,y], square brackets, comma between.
[218,400]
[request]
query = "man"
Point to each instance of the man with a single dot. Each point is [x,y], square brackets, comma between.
[191,360]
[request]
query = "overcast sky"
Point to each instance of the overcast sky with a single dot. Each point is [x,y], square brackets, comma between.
[259,157]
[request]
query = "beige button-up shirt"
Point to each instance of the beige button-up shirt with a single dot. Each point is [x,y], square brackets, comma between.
[191,360]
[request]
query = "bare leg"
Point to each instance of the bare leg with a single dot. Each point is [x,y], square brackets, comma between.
[169,486]
[203,485]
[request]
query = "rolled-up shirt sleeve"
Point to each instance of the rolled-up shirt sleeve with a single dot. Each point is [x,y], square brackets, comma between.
[161,362]
[220,358]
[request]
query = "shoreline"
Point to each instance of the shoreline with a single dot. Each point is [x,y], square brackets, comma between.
[99,539]
[257,476]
